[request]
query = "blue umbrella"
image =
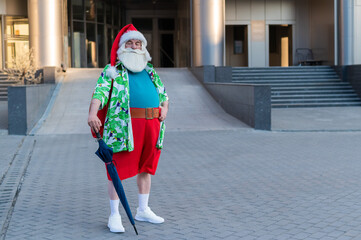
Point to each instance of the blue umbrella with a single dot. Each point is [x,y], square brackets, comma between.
[105,153]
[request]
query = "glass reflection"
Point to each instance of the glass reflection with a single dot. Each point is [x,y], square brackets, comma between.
[16,38]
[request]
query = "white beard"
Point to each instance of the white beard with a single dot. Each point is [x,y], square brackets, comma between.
[134,60]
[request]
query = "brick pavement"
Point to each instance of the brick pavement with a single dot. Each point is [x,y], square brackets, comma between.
[216,179]
[296,186]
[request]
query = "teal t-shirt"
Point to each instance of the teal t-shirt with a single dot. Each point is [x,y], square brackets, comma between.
[142,92]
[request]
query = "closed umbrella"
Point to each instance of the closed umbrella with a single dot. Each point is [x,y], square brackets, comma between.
[105,153]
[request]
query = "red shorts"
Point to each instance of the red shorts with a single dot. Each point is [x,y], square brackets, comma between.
[145,156]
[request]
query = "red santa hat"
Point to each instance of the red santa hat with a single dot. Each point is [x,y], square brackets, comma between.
[127,33]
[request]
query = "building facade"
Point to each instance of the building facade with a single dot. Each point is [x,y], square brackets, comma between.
[183,33]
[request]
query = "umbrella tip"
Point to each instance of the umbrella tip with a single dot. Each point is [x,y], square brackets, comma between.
[135,229]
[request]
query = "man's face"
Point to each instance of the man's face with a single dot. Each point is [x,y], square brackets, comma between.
[134,44]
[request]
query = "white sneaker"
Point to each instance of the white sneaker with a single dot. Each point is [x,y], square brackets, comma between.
[148,216]
[115,223]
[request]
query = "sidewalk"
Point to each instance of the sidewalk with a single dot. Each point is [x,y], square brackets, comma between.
[217,178]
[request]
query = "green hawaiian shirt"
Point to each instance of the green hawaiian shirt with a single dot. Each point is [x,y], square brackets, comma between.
[118,125]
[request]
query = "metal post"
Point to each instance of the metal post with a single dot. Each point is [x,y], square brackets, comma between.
[345,32]
[208,32]
[3,41]
[45,26]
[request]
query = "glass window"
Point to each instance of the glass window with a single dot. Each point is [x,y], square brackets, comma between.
[78,49]
[102,51]
[100,12]
[166,24]
[17,38]
[108,14]
[91,45]
[109,39]
[143,24]
[116,16]
[90,10]
[78,9]
[1,42]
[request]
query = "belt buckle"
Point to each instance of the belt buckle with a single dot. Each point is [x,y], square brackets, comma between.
[147,115]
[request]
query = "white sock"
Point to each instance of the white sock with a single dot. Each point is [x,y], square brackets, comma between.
[114,207]
[143,201]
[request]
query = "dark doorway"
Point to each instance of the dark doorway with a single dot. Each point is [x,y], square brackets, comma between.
[166,50]
[237,45]
[280,45]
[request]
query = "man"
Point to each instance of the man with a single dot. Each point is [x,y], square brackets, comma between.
[137,104]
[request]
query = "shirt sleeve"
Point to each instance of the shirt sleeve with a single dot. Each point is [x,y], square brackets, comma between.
[102,88]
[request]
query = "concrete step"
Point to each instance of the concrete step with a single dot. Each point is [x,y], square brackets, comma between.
[312,92]
[311,105]
[7,82]
[272,73]
[312,88]
[286,77]
[314,96]
[306,85]
[316,100]
[291,81]
[284,69]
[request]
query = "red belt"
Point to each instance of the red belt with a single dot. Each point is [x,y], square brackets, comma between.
[147,113]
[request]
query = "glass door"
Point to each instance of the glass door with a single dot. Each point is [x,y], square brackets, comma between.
[16,38]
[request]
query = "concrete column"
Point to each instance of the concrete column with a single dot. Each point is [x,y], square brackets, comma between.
[45,26]
[345,32]
[208,32]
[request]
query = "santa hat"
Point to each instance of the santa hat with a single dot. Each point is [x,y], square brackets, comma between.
[127,33]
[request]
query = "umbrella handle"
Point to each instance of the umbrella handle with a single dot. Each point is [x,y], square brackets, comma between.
[98,135]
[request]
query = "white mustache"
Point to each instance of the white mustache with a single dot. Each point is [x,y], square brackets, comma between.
[131,50]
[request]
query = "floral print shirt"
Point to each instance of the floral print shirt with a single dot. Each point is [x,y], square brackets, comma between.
[118,125]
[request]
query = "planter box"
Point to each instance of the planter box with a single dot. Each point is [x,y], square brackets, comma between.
[26,105]
[249,103]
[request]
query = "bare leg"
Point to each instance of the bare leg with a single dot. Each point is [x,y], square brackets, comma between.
[144,182]
[111,191]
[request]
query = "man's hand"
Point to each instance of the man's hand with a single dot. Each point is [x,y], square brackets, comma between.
[93,120]
[163,111]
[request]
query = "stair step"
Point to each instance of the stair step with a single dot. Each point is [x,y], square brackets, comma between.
[314,96]
[310,86]
[291,81]
[302,74]
[7,82]
[307,88]
[318,100]
[335,104]
[339,91]
[305,85]
[291,69]
[277,77]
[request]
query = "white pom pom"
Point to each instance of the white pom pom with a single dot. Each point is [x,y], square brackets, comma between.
[112,72]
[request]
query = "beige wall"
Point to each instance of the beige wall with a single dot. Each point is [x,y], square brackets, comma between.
[258,15]
[2,6]
[322,35]
[17,7]
[14,7]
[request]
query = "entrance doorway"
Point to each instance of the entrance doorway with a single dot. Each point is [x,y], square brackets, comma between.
[237,45]
[159,33]
[280,45]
